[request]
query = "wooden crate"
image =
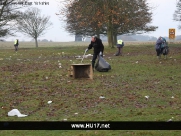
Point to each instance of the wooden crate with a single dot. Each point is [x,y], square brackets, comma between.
[81,71]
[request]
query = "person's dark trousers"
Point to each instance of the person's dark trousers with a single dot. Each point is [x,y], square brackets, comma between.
[94,58]
[158,52]
[16,47]
[119,52]
[162,49]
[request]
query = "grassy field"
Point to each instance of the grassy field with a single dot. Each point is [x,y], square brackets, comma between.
[31,77]
[9,45]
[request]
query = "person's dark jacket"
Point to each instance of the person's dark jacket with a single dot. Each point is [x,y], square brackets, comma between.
[158,44]
[97,45]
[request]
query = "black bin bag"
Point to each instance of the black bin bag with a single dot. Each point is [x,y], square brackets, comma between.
[102,65]
[165,50]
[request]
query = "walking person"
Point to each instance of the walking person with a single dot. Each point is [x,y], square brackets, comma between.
[119,45]
[16,43]
[98,46]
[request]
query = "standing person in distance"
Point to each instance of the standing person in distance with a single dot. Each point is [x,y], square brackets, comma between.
[164,42]
[119,45]
[98,46]
[158,45]
[16,43]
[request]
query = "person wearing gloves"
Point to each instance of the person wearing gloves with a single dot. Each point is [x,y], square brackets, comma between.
[96,43]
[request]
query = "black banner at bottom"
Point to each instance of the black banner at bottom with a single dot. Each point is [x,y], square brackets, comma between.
[89,125]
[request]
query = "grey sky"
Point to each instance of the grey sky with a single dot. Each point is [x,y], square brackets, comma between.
[162,17]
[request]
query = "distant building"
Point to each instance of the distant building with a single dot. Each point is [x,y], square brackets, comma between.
[78,38]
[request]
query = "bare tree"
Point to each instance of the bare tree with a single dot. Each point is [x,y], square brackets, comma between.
[33,24]
[8,14]
[177,14]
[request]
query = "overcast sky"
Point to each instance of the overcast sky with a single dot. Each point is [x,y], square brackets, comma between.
[162,17]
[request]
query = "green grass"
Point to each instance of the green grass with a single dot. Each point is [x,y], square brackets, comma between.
[24,85]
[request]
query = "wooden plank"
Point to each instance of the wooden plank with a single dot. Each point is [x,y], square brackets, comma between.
[70,71]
